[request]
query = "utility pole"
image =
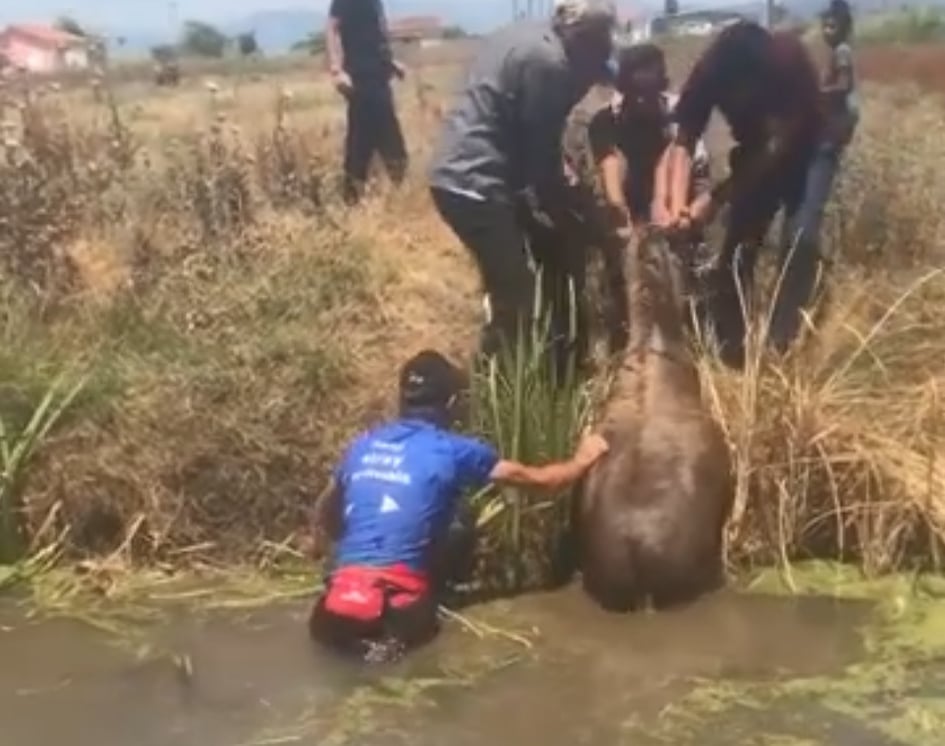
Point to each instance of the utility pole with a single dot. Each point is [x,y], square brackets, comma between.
[769,13]
[172,18]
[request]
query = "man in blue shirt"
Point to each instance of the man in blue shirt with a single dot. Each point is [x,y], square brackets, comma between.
[391,505]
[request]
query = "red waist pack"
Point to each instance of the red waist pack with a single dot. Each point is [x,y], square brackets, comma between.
[363,593]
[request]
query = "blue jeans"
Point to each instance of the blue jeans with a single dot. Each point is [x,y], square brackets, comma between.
[800,247]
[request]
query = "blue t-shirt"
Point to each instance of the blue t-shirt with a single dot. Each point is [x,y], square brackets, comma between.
[400,484]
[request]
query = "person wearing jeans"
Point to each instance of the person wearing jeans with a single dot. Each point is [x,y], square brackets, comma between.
[801,232]
[498,176]
[765,85]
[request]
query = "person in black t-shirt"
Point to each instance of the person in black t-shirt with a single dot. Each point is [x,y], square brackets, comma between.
[630,134]
[627,138]
[362,65]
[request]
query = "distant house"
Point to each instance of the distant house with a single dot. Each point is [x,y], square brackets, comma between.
[421,30]
[689,23]
[43,49]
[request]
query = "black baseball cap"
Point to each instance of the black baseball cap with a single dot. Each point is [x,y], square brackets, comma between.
[428,379]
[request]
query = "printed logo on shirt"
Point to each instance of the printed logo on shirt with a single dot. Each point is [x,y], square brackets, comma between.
[389,505]
[382,462]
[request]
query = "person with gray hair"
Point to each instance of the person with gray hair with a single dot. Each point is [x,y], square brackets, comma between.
[497,176]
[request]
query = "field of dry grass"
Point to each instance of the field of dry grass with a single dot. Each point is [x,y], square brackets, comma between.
[186,250]
[921,65]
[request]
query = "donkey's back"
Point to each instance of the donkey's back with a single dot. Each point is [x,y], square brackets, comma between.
[653,511]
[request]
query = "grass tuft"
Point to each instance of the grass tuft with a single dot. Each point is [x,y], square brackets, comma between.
[534,413]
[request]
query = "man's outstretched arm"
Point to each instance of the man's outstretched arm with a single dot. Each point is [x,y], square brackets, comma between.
[552,476]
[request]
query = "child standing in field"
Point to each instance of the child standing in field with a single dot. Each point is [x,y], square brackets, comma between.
[838,82]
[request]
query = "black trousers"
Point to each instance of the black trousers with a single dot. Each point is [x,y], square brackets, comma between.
[373,128]
[401,629]
[502,238]
[750,216]
[384,640]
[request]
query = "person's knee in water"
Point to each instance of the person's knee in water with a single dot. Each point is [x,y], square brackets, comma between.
[390,506]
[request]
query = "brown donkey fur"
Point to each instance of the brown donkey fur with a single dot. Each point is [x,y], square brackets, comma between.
[651,515]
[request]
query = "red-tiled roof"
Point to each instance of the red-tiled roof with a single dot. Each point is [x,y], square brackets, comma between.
[415,25]
[41,35]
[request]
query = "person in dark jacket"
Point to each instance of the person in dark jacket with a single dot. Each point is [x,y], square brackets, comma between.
[389,511]
[361,66]
[765,84]
[498,176]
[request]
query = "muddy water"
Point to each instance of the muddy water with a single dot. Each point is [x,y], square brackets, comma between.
[720,672]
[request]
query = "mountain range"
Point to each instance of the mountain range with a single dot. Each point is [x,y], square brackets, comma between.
[278,28]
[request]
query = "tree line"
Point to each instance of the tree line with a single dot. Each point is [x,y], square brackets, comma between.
[199,39]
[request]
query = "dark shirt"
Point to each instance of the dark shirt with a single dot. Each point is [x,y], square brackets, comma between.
[789,87]
[641,137]
[503,133]
[364,41]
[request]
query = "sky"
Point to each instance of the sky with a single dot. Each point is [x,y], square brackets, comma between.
[143,13]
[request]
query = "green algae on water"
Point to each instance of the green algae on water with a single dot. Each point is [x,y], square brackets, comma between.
[894,695]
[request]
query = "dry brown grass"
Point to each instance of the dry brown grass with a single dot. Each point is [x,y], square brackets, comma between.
[241,325]
[922,65]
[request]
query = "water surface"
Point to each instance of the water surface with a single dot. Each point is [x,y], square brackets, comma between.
[734,668]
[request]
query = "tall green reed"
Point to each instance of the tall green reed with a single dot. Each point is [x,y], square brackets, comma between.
[533,410]
[18,447]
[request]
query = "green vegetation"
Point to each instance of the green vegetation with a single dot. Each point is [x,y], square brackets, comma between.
[888,695]
[19,443]
[905,26]
[520,404]
[203,40]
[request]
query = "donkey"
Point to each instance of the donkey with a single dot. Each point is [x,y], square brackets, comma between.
[650,518]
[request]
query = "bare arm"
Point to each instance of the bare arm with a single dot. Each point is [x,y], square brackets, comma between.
[691,113]
[613,171]
[552,476]
[842,84]
[336,55]
[840,77]
[611,166]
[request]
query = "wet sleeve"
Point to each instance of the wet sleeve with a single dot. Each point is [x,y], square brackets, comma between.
[475,461]
[602,134]
[697,98]
[544,85]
